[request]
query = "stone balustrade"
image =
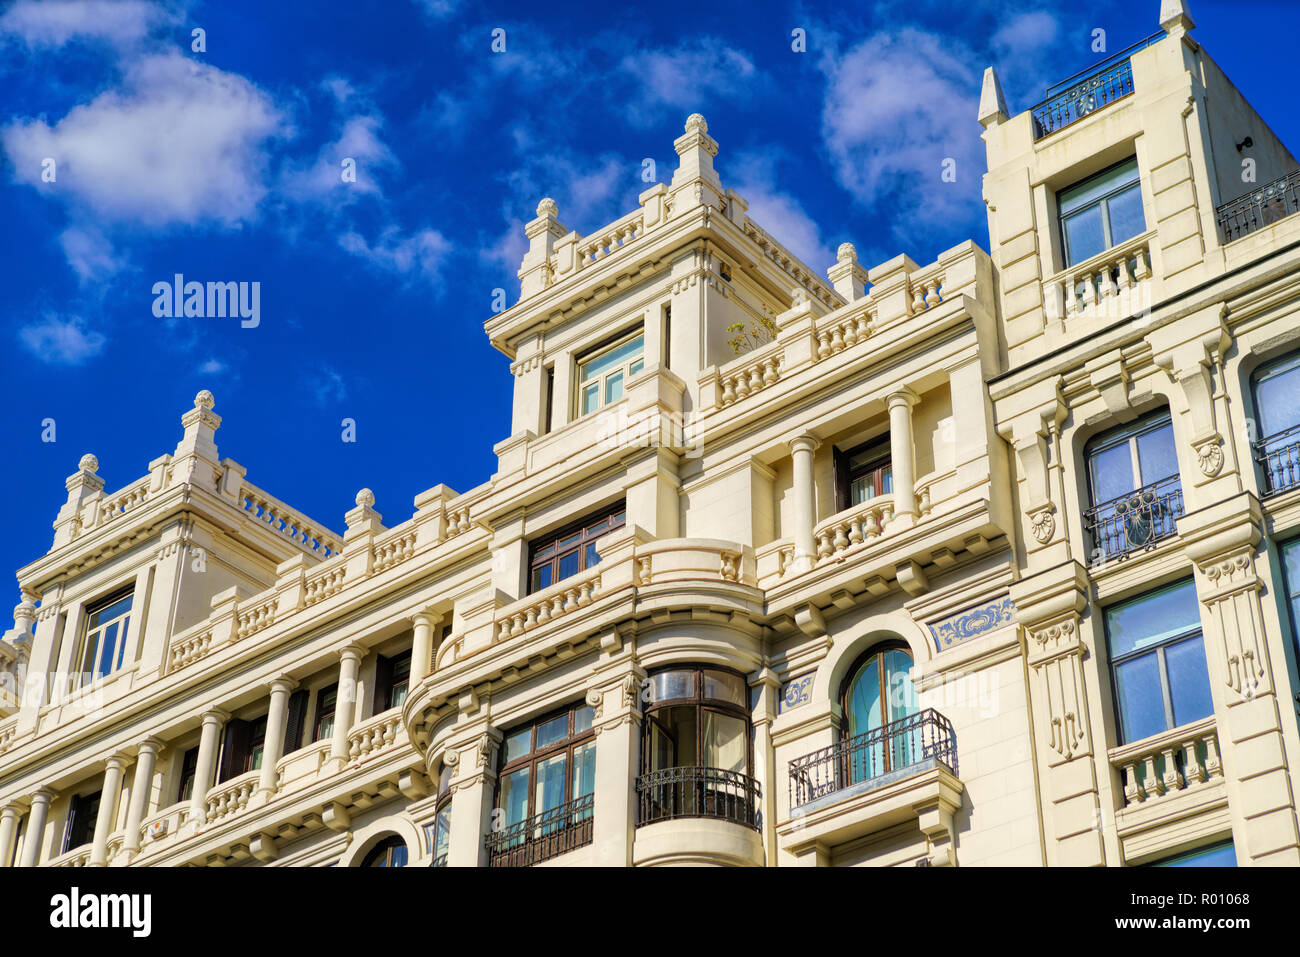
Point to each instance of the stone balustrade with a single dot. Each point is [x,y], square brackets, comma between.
[1170,763]
[834,335]
[77,857]
[256,618]
[323,585]
[231,797]
[378,734]
[609,240]
[393,550]
[184,651]
[113,506]
[926,287]
[547,605]
[859,525]
[293,525]
[1113,285]
[752,375]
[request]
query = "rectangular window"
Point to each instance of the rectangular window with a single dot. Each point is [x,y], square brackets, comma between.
[326,700]
[189,768]
[392,678]
[103,642]
[1157,660]
[82,811]
[571,550]
[862,473]
[1277,406]
[242,747]
[550,398]
[1216,855]
[602,377]
[1102,211]
[1134,487]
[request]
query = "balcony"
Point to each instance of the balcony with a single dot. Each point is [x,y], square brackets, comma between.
[1260,208]
[673,793]
[542,836]
[1134,522]
[866,761]
[1084,93]
[1279,459]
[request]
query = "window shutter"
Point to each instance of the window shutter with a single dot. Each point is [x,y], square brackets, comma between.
[296,718]
[73,807]
[383,683]
[840,462]
[234,749]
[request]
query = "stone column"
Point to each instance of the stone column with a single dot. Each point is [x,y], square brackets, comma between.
[805,501]
[141,789]
[273,745]
[902,457]
[36,827]
[345,707]
[471,806]
[618,728]
[422,645]
[8,827]
[107,811]
[206,766]
[765,769]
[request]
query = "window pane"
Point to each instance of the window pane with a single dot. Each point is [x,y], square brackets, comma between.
[612,359]
[862,490]
[614,387]
[865,711]
[1141,703]
[1083,235]
[682,724]
[326,728]
[724,742]
[887,479]
[541,577]
[672,684]
[590,397]
[108,650]
[109,612]
[550,732]
[1157,457]
[1291,560]
[1219,855]
[584,770]
[398,695]
[662,753]
[517,745]
[1126,217]
[591,556]
[582,719]
[569,565]
[1112,473]
[1142,622]
[1189,681]
[723,686]
[514,796]
[442,832]
[898,684]
[636,366]
[570,540]
[551,776]
[1277,398]
[1095,187]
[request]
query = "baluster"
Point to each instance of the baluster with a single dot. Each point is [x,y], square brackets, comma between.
[1142,271]
[1154,783]
[823,345]
[770,371]
[823,545]
[1192,771]
[728,391]
[1212,764]
[837,340]
[1171,770]
[755,379]
[841,540]
[855,531]
[918,297]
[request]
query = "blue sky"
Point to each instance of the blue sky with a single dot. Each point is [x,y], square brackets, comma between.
[224,165]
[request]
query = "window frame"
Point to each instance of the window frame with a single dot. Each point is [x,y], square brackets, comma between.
[1260,446]
[531,758]
[1101,202]
[1113,663]
[614,518]
[625,369]
[89,675]
[187,774]
[701,704]
[386,849]
[321,714]
[1129,433]
[875,468]
[83,810]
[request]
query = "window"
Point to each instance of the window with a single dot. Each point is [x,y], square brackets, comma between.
[1157,661]
[602,377]
[544,789]
[876,699]
[571,550]
[390,852]
[695,754]
[1100,212]
[862,473]
[104,641]
[392,678]
[1277,407]
[295,720]
[1216,855]
[82,812]
[1291,574]
[326,701]
[439,831]
[189,768]
[1134,487]
[242,747]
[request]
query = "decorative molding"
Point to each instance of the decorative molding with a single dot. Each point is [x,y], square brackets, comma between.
[973,622]
[1042,522]
[796,693]
[1209,454]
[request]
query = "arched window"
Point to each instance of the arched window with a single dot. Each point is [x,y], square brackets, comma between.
[1277,409]
[440,830]
[390,852]
[877,700]
[1134,487]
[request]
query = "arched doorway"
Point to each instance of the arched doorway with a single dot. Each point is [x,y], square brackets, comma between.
[390,852]
[876,701]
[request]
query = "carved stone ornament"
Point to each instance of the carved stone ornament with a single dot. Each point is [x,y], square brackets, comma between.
[451,758]
[484,749]
[1209,455]
[595,699]
[1042,522]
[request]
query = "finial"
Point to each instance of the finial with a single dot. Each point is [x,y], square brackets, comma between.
[695,122]
[365,498]
[89,464]
[993,104]
[204,400]
[847,253]
[547,207]
[1175,18]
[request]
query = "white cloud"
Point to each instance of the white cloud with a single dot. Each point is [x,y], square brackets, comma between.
[212,367]
[326,386]
[438,9]
[61,341]
[322,179]
[897,106]
[753,175]
[90,254]
[180,142]
[52,23]
[420,255]
[684,76]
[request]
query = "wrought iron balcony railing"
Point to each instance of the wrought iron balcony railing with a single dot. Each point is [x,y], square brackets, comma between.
[439,861]
[542,836]
[672,793]
[1071,100]
[895,746]
[1259,208]
[1135,521]
[1279,458]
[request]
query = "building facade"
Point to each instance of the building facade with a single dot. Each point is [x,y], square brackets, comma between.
[985,561]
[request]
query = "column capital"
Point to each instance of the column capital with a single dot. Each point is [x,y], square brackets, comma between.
[430,618]
[805,442]
[215,715]
[119,760]
[901,396]
[43,795]
[11,810]
[283,685]
[152,745]
[352,653]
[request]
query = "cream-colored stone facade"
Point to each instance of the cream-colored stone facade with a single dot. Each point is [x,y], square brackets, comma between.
[248,710]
